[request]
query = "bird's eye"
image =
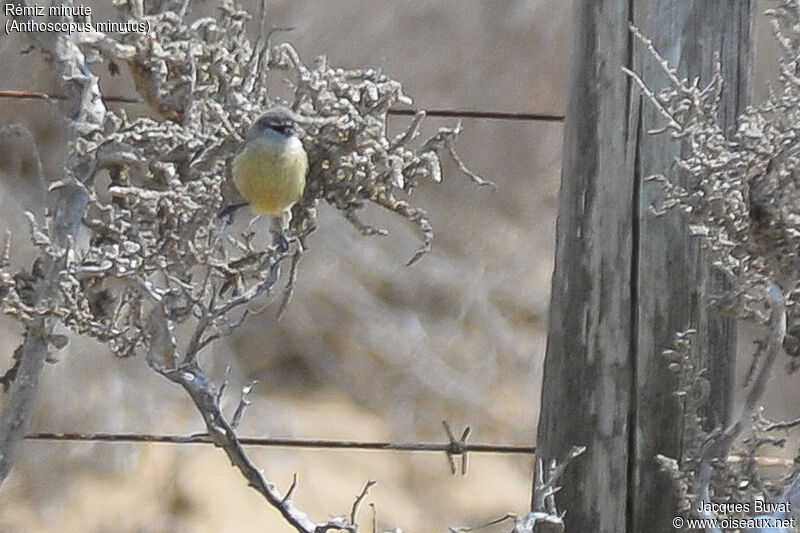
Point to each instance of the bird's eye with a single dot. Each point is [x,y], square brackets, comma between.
[283,129]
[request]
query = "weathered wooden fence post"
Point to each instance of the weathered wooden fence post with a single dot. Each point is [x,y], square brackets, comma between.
[624,281]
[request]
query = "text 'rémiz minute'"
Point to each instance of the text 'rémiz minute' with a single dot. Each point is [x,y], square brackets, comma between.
[12,10]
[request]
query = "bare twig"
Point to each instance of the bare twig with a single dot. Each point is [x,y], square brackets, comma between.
[243,404]
[223,435]
[544,517]
[466,529]
[770,425]
[359,499]
[545,487]
[290,283]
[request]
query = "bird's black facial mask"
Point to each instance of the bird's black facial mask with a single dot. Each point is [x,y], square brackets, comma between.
[286,130]
[278,122]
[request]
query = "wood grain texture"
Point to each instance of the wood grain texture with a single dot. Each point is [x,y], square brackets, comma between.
[624,281]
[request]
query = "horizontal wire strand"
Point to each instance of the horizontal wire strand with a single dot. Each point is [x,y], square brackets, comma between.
[491,115]
[454,448]
[284,443]
[441,113]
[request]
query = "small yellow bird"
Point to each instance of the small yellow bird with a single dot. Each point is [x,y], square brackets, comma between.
[270,171]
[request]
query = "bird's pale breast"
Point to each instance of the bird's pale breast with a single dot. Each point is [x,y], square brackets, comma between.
[271,176]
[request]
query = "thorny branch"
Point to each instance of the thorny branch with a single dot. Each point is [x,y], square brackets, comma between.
[159,259]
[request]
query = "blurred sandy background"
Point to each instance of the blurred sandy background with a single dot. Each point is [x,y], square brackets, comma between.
[368,349]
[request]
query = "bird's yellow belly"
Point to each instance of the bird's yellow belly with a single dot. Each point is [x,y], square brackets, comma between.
[271,179]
